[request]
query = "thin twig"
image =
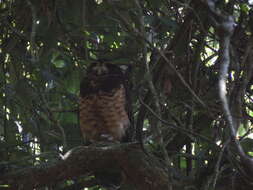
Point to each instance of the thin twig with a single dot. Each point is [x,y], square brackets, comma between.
[34,57]
[172,126]
[162,54]
[154,93]
[217,167]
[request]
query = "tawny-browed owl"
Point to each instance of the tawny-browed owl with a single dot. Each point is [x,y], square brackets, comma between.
[103,116]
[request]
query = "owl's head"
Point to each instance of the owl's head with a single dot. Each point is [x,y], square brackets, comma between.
[98,69]
[102,76]
[102,70]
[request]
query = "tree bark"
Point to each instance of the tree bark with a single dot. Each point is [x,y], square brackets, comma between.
[138,170]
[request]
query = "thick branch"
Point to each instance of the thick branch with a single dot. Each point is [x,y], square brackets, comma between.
[225,27]
[139,170]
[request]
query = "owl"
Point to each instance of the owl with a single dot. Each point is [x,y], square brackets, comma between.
[103,116]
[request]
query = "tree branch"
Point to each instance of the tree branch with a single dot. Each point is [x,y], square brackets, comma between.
[139,170]
[225,26]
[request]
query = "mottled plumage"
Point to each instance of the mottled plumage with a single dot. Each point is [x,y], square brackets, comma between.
[102,103]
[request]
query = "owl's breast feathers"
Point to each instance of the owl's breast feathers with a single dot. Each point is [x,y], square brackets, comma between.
[103,116]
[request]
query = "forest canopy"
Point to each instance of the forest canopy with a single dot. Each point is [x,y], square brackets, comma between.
[189,70]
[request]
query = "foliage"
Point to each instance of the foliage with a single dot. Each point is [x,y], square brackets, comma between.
[169,45]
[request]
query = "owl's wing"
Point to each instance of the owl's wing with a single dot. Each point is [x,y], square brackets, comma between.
[85,87]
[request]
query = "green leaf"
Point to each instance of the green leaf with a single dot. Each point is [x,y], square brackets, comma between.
[59,63]
[244,7]
[241,130]
[247,144]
